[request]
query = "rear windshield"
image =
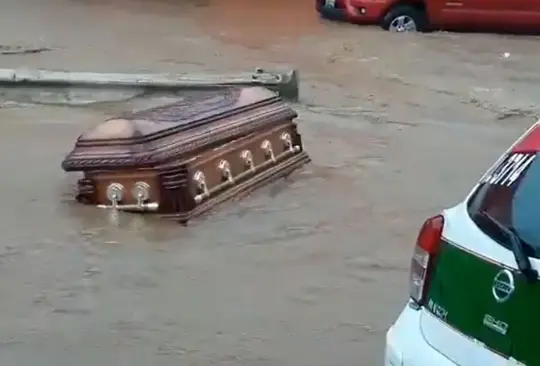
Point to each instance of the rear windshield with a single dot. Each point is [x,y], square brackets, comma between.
[511,195]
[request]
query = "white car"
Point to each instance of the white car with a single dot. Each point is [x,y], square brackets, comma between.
[474,284]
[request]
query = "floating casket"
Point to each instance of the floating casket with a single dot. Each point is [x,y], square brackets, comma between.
[182,159]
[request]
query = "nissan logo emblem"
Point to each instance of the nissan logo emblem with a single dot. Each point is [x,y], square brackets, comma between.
[503,286]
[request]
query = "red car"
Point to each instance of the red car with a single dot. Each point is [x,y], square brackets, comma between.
[417,15]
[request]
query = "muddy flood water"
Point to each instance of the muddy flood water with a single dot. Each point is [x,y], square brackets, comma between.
[307,272]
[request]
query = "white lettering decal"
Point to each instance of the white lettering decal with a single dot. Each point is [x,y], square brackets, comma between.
[508,172]
[519,170]
[496,325]
[516,161]
[500,172]
[437,310]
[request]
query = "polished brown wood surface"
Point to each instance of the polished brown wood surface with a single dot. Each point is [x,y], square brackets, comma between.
[182,159]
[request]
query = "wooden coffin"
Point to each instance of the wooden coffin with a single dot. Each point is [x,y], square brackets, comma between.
[182,159]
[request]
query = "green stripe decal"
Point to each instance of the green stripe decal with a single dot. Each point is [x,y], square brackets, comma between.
[461,294]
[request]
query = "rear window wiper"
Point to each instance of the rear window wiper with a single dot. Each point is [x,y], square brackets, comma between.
[523,261]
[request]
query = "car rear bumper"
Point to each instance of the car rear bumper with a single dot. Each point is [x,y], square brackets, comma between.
[406,346]
[333,13]
[357,11]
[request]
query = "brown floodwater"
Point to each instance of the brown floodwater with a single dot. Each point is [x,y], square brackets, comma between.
[310,271]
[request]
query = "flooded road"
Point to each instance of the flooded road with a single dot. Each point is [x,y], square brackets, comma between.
[307,272]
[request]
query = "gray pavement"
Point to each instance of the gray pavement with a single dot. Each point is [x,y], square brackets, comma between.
[307,272]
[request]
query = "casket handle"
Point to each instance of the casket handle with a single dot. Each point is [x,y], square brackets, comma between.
[203,192]
[115,194]
[288,144]
[225,168]
[266,146]
[247,158]
[141,192]
[202,187]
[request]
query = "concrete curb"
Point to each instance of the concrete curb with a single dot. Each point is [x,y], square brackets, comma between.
[283,82]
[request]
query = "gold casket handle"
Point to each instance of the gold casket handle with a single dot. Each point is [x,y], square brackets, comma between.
[202,187]
[266,146]
[225,168]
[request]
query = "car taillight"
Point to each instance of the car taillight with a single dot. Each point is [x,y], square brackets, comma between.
[427,246]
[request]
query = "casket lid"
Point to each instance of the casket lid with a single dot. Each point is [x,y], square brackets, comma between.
[154,135]
[194,110]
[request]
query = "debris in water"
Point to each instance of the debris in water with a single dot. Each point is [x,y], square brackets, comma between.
[20,50]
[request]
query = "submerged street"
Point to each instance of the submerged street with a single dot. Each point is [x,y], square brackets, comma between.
[310,271]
